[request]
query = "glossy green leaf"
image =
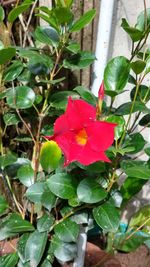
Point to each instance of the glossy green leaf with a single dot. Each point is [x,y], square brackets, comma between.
[116,74]
[11,119]
[130,244]
[147,151]
[9,260]
[47,35]
[141,172]
[7,160]
[133,32]
[83,21]
[140,25]
[20,97]
[13,225]
[145,121]
[120,122]
[62,185]
[45,222]
[25,175]
[15,12]
[125,108]
[35,247]
[6,54]
[147,67]
[50,156]
[12,72]
[86,94]
[73,47]
[90,191]
[143,93]
[48,199]
[2,14]
[79,61]
[12,169]
[141,217]
[107,217]
[67,231]
[138,66]
[63,251]
[63,15]
[40,64]
[3,204]
[21,246]
[35,191]
[131,187]
[64,3]
[135,140]
[59,100]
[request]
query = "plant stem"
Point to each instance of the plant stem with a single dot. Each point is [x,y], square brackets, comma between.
[137,229]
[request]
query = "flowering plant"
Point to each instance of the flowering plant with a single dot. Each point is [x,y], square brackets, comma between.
[55,179]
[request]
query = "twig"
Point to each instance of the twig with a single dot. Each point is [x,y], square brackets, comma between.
[25,30]
[26,125]
[28,22]
[137,229]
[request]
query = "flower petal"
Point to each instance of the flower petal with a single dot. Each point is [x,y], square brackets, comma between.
[79,113]
[89,156]
[100,135]
[61,125]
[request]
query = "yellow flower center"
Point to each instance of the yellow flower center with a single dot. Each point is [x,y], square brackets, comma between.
[81,137]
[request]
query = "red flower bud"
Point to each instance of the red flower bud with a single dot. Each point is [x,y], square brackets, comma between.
[101,91]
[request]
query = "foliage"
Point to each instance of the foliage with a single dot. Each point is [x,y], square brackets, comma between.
[54,200]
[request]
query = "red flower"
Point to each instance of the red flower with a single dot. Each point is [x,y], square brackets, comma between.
[80,136]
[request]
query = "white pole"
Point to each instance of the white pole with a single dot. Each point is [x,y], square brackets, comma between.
[102,44]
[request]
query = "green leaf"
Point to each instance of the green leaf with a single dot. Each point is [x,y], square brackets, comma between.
[145,121]
[140,172]
[134,33]
[13,225]
[20,97]
[127,245]
[2,14]
[50,156]
[45,222]
[143,93]
[86,94]
[9,260]
[21,246]
[47,35]
[131,187]
[116,74]
[48,199]
[138,66]
[7,160]
[46,263]
[125,108]
[79,61]
[141,217]
[120,125]
[35,191]
[83,21]
[73,47]
[25,175]
[90,191]
[63,251]
[64,3]
[140,25]
[11,119]
[59,100]
[67,231]
[15,12]
[63,15]
[35,247]
[62,185]
[12,72]
[135,140]
[7,54]
[107,217]
[3,204]
[147,151]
